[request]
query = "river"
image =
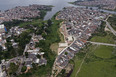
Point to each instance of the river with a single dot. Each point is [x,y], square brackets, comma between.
[58,5]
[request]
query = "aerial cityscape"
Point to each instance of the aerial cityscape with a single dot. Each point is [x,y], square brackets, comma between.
[53,38]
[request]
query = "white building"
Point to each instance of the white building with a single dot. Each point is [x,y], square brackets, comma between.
[2,28]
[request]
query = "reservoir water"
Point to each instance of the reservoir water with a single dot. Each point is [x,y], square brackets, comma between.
[58,5]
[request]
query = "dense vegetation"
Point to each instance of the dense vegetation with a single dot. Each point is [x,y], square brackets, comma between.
[48,30]
[12,69]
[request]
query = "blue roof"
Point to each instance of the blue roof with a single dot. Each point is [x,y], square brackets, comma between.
[5,29]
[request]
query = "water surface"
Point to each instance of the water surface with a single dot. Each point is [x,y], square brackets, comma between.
[58,5]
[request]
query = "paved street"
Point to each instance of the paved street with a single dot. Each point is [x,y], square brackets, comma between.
[112,30]
[108,24]
[98,43]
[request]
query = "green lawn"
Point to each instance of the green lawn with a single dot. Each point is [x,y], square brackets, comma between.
[76,67]
[98,63]
[104,51]
[61,36]
[54,47]
[106,39]
[98,69]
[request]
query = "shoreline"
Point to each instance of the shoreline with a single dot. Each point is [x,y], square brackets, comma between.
[90,6]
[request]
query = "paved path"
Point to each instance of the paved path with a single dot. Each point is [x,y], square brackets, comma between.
[98,43]
[76,75]
[112,30]
[66,48]
[81,65]
[110,27]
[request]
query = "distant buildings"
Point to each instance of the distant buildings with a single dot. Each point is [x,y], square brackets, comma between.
[23,12]
[105,4]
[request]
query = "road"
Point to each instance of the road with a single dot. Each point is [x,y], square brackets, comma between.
[107,23]
[98,43]
[112,30]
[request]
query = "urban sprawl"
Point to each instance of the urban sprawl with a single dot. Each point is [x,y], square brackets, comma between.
[77,27]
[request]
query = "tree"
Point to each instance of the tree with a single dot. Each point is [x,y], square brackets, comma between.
[49,22]
[66,53]
[26,54]
[38,56]
[13,68]
[0,48]
[42,14]
[23,69]
[24,39]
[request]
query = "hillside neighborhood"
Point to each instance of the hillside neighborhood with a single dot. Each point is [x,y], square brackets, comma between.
[29,55]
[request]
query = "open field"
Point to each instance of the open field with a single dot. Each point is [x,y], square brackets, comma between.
[104,51]
[61,36]
[104,39]
[98,69]
[98,63]
[54,47]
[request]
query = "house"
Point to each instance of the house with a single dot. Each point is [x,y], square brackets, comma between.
[2,28]
[2,73]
